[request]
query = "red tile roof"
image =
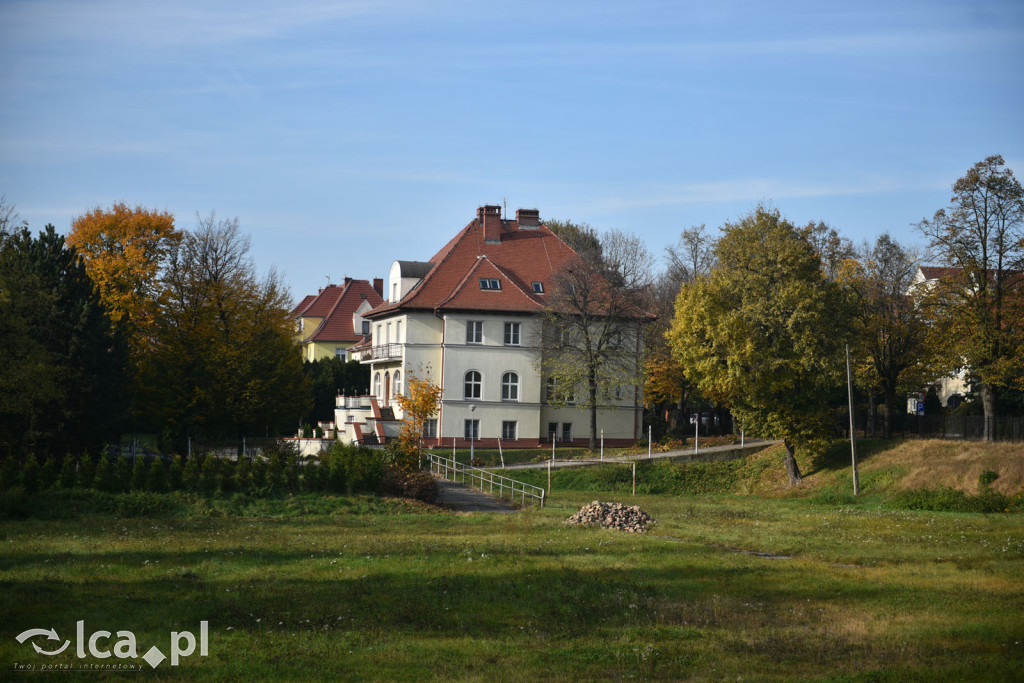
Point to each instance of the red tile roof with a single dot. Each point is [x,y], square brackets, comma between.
[336,304]
[493,248]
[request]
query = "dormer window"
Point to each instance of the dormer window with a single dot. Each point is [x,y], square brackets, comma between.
[491,283]
[538,287]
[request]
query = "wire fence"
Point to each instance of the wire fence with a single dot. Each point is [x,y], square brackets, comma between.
[963,427]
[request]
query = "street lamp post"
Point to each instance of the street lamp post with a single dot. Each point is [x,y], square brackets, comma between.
[472,433]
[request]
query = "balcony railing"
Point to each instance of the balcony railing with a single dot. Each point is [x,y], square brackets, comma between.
[386,351]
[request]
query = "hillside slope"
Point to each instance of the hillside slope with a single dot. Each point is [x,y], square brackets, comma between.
[891,467]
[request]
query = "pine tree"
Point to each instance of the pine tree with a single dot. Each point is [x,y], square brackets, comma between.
[156,477]
[140,471]
[68,474]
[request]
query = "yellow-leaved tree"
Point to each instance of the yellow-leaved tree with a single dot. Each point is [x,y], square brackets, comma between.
[419,403]
[124,250]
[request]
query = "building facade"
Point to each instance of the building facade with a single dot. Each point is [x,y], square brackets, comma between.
[470,320]
[332,321]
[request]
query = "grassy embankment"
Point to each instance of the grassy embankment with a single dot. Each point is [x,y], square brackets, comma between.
[360,588]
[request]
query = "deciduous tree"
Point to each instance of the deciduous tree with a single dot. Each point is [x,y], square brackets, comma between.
[890,326]
[592,337]
[419,403]
[125,249]
[977,308]
[225,362]
[763,333]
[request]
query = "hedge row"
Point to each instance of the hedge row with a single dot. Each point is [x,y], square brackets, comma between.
[342,469]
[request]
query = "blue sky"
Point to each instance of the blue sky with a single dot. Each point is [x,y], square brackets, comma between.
[345,135]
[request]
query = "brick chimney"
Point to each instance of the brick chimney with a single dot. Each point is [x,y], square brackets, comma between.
[490,218]
[528,219]
[378,286]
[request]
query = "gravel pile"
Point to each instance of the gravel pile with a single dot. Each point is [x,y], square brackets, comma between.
[612,516]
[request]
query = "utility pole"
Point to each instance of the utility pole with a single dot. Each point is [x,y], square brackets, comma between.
[853,442]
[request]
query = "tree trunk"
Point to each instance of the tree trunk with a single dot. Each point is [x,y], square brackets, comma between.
[890,410]
[988,402]
[592,389]
[792,469]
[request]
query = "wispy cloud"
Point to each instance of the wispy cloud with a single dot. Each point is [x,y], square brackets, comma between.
[757,189]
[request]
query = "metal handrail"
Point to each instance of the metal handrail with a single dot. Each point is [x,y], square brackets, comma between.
[485,481]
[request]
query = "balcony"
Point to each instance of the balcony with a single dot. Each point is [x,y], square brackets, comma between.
[386,352]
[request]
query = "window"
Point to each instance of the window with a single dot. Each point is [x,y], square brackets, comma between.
[567,432]
[552,430]
[366,327]
[475,332]
[512,334]
[430,428]
[510,387]
[538,287]
[508,431]
[556,394]
[490,283]
[339,352]
[472,429]
[472,385]
[394,292]
[398,382]
[398,332]
[376,385]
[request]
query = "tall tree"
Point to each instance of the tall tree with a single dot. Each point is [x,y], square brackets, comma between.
[889,322]
[125,249]
[225,362]
[691,257]
[978,306]
[592,336]
[832,248]
[763,333]
[327,377]
[61,384]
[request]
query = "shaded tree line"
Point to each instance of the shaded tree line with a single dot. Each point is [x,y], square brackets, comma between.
[130,324]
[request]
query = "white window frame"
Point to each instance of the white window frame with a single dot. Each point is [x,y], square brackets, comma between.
[396,383]
[513,334]
[471,429]
[510,386]
[472,389]
[475,332]
[430,428]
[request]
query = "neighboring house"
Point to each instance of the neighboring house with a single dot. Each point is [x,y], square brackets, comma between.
[953,388]
[470,318]
[330,322]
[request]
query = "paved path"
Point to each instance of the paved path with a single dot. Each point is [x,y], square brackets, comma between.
[682,454]
[461,498]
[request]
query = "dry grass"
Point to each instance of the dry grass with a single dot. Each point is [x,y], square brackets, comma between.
[933,464]
[895,466]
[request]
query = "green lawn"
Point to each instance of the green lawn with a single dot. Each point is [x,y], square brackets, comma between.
[358,588]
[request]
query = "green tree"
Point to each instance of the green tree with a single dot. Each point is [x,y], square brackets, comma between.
[889,324]
[592,334]
[62,365]
[329,376]
[764,332]
[225,362]
[977,308]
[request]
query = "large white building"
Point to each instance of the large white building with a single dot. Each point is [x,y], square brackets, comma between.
[470,319]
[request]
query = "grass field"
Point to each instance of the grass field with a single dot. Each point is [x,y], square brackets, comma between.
[725,587]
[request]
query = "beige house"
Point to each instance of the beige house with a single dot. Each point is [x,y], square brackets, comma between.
[470,318]
[330,322]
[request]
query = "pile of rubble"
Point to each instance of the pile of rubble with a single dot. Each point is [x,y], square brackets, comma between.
[612,516]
